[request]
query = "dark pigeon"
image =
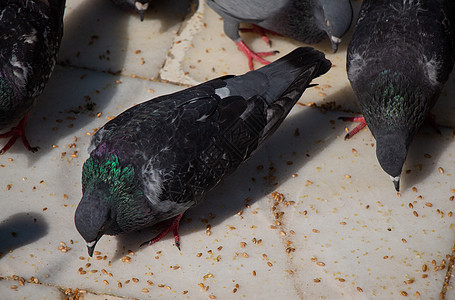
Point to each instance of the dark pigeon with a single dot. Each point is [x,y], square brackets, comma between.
[31,31]
[159,158]
[306,21]
[140,6]
[399,58]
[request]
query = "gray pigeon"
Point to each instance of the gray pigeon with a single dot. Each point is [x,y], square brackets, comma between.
[140,6]
[159,158]
[31,31]
[306,21]
[399,58]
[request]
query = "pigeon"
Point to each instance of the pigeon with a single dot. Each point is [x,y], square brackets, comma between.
[159,158]
[306,21]
[31,32]
[400,56]
[140,6]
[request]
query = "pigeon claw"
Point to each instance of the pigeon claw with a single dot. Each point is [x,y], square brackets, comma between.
[14,134]
[259,30]
[251,55]
[174,226]
[360,120]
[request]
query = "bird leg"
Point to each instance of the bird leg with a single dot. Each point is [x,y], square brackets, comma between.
[174,227]
[359,127]
[261,31]
[250,54]
[14,133]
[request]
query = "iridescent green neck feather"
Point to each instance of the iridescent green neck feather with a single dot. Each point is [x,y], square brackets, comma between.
[119,180]
[396,102]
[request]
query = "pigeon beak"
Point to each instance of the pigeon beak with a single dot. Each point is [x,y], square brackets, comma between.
[141,8]
[396,182]
[335,42]
[91,247]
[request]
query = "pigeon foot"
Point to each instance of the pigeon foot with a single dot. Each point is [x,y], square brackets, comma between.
[261,31]
[174,227]
[14,133]
[251,55]
[359,127]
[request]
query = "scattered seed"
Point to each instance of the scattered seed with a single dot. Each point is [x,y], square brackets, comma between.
[415,213]
[254,273]
[144,290]
[424,268]
[441,170]
[135,280]
[105,282]
[409,281]
[315,231]
[119,284]
[150,282]
[317,280]
[410,205]
[13,287]
[359,289]
[212,297]
[242,244]
[199,254]
[347,176]
[269,264]
[404,241]
[245,255]
[403,293]
[320,263]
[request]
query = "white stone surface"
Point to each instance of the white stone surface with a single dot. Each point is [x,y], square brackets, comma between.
[341,227]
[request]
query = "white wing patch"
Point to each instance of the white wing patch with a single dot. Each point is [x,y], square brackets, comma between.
[432,67]
[20,70]
[152,185]
[223,92]
[356,64]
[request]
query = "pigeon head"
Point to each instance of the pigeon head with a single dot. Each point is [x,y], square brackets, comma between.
[391,152]
[334,17]
[107,188]
[94,217]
